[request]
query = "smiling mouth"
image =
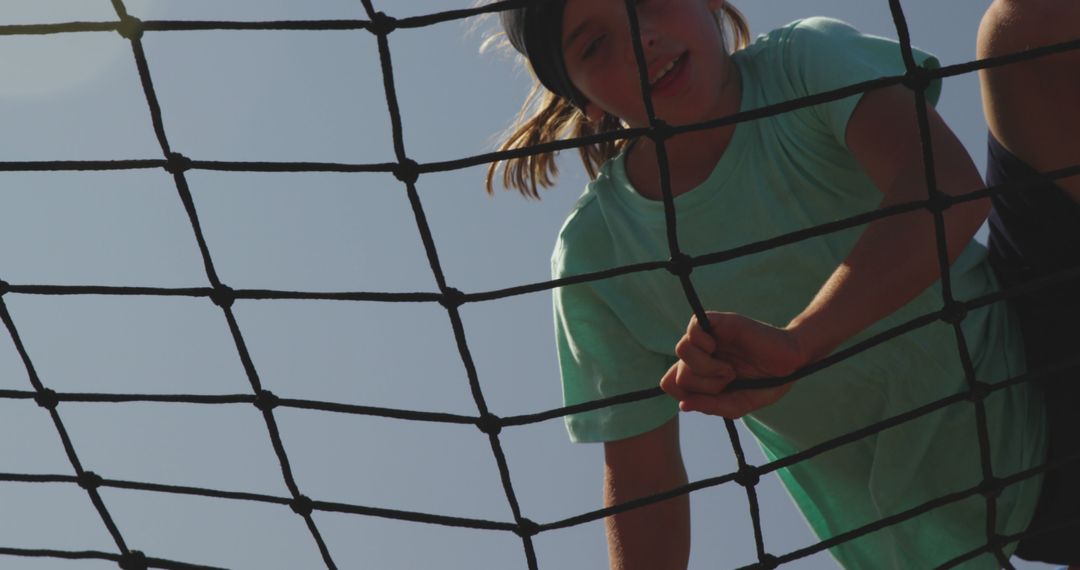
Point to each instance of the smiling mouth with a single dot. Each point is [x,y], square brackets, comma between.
[667,69]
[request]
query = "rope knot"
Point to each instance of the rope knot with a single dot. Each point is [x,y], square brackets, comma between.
[991,488]
[767,562]
[47,398]
[133,560]
[978,392]
[954,313]
[301,505]
[939,202]
[407,171]
[526,528]
[89,480]
[177,163]
[996,542]
[917,79]
[5,287]
[490,424]
[660,131]
[748,476]
[681,265]
[266,400]
[382,25]
[130,28]
[223,296]
[452,299]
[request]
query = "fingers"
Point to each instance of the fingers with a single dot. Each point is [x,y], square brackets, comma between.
[751,348]
[701,361]
[696,371]
[669,385]
[733,405]
[681,380]
[706,394]
[699,337]
[727,406]
[680,383]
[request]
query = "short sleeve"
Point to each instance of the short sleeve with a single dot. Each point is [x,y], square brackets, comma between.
[598,359]
[824,54]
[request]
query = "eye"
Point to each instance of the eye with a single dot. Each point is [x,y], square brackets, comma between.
[592,46]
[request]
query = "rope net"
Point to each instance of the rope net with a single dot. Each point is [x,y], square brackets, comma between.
[407,171]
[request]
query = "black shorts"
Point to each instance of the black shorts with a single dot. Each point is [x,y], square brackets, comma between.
[1035,234]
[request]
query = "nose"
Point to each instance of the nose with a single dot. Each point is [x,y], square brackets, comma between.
[647,30]
[649,38]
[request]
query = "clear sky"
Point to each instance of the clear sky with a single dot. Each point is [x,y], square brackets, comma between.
[315,96]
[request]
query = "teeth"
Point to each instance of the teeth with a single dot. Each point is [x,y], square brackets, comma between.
[660,74]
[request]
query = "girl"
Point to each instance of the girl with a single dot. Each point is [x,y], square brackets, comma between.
[1034,234]
[741,184]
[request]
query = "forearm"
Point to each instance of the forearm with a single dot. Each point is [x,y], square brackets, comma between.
[654,537]
[657,536]
[897,257]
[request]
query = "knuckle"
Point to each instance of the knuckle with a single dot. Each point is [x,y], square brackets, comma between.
[667,382]
[703,339]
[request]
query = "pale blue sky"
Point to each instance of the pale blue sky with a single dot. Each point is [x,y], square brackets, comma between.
[315,96]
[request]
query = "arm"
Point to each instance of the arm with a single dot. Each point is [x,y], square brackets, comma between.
[1015,25]
[1031,106]
[655,537]
[898,251]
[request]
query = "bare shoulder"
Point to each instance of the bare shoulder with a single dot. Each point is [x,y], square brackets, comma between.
[1015,25]
[1031,106]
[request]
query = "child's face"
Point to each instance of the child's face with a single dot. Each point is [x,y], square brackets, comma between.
[683,47]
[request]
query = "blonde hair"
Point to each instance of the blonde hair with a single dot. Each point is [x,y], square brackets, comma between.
[546,117]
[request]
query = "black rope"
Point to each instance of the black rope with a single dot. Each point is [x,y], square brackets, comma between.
[46,398]
[573,521]
[680,264]
[452,299]
[176,164]
[133,561]
[695,261]
[681,267]
[955,312]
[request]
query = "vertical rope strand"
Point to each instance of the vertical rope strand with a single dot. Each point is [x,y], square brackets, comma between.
[46,398]
[681,264]
[407,172]
[955,311]
[132,29]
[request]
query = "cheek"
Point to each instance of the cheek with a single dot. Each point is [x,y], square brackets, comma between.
[599,82]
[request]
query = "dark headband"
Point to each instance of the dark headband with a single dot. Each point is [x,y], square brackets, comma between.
[536,32]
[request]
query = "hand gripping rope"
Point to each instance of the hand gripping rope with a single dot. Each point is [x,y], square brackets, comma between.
[408,171]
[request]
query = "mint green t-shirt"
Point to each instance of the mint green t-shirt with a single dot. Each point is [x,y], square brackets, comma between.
[781,174]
